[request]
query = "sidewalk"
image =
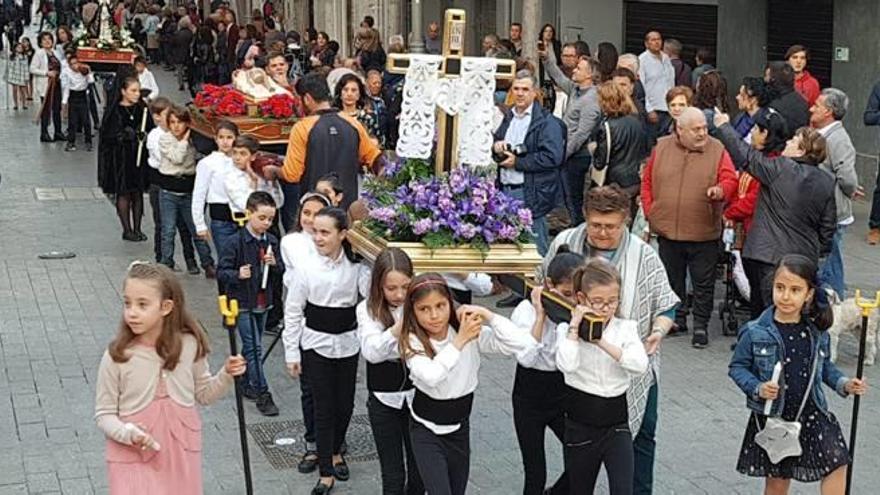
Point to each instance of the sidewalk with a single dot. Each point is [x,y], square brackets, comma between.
[56,318]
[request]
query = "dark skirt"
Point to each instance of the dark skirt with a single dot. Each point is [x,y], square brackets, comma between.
[822,444]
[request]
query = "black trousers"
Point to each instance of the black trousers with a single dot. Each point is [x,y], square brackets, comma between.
[588,447]
[760,277]
[699,259]
[332,382]
[538,400]
[444,460]
[391,433]
[53,108]
[576,169]
[78,119]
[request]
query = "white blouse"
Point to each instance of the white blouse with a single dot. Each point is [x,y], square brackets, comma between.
[324,282]
[239,186]
[590,369]
[378,345]
[542,356]
[210,186]
[296,248]
[154,152]
[480,284]
[451,373]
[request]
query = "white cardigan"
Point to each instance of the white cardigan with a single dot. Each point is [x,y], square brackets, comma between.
[40,70]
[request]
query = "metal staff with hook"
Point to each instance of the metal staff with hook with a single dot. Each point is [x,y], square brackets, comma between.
[867,306]
[229,310]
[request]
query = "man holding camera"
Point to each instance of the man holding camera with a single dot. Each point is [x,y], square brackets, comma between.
[529,148]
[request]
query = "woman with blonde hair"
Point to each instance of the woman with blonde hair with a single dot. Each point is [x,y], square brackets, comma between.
[620,139]
[371,55]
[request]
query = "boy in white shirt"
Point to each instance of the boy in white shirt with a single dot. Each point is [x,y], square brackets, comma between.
[75,80]
[146,78]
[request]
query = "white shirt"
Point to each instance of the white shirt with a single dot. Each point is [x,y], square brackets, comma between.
[239,186]
[451,373]
[148,81]
[542,356]
[824,132]
[72,80]
[658,77]
[154,151]
[378,345]
[296,247]
[516,134]
[478,283]
[210,186]
[323,282]
[590,369]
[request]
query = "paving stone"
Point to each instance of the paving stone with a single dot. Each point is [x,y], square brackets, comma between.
[43,483]
[77,486]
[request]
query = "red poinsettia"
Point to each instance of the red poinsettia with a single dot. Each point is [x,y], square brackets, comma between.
[281,106]
[221,100]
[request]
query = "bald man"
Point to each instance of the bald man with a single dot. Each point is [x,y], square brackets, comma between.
[684,186]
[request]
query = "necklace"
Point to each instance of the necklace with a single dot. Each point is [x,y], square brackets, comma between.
[129,110]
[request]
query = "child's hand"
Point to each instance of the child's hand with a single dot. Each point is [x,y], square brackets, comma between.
[769,391]
[577,316]
[480,311]
[856,386]
[471,325]
[395,329]
[536,301]
[236,365]
[269,259]
[295,369]
[140,437]
[244,272]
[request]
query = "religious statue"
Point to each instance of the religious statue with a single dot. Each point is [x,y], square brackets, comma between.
[257,84]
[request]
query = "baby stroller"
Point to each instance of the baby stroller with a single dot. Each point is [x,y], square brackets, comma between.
[727,307]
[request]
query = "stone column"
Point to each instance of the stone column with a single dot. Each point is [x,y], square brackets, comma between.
[531,25]
[417,44]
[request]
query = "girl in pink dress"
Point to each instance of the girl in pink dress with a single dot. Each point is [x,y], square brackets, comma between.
[150,379]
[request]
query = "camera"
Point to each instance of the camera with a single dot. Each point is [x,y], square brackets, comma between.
[518,150]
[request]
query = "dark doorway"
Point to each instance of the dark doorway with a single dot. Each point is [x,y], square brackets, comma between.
[693,25]
[803,22]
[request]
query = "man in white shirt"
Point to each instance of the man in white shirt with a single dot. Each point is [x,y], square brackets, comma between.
[826,115]
[75,80]
[146,78]
[658,77]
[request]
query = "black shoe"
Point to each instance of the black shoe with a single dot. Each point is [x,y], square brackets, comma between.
[677,329]
[192,267]
[45,138]
[249,393]
[70,147]
[60,136]
[266,405]
[340,471]
[89,147]
[321,489]
[130,236]
[700,339]
[309,462]
[510,301]
[141,237]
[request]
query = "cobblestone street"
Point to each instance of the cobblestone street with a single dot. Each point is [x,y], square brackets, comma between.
[57,316]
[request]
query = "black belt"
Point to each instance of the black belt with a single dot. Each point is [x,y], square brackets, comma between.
[220,211]
[594,410]
[334,321]
[388,376]
[442,411]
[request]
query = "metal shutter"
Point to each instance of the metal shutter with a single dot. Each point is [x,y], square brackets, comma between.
[802,22]
[693,25]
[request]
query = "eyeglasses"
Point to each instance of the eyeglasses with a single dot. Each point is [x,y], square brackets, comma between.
[601,305]
[608,228]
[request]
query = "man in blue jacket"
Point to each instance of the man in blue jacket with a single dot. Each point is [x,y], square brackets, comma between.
[872,117]
[531,142]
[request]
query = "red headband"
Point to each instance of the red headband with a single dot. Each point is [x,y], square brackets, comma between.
[432,281]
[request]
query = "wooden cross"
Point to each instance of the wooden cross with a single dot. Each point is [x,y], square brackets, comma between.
[453,50]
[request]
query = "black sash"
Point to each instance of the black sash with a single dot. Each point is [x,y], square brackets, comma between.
[220,211]
[589,409]
[388,376]
[334,321]
[443,411]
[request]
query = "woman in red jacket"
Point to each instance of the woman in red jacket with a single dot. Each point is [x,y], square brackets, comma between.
[804,83]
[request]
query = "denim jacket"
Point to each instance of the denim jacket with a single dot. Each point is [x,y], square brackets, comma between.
[758,349]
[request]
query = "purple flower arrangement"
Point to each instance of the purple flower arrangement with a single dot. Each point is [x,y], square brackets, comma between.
[408,203]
